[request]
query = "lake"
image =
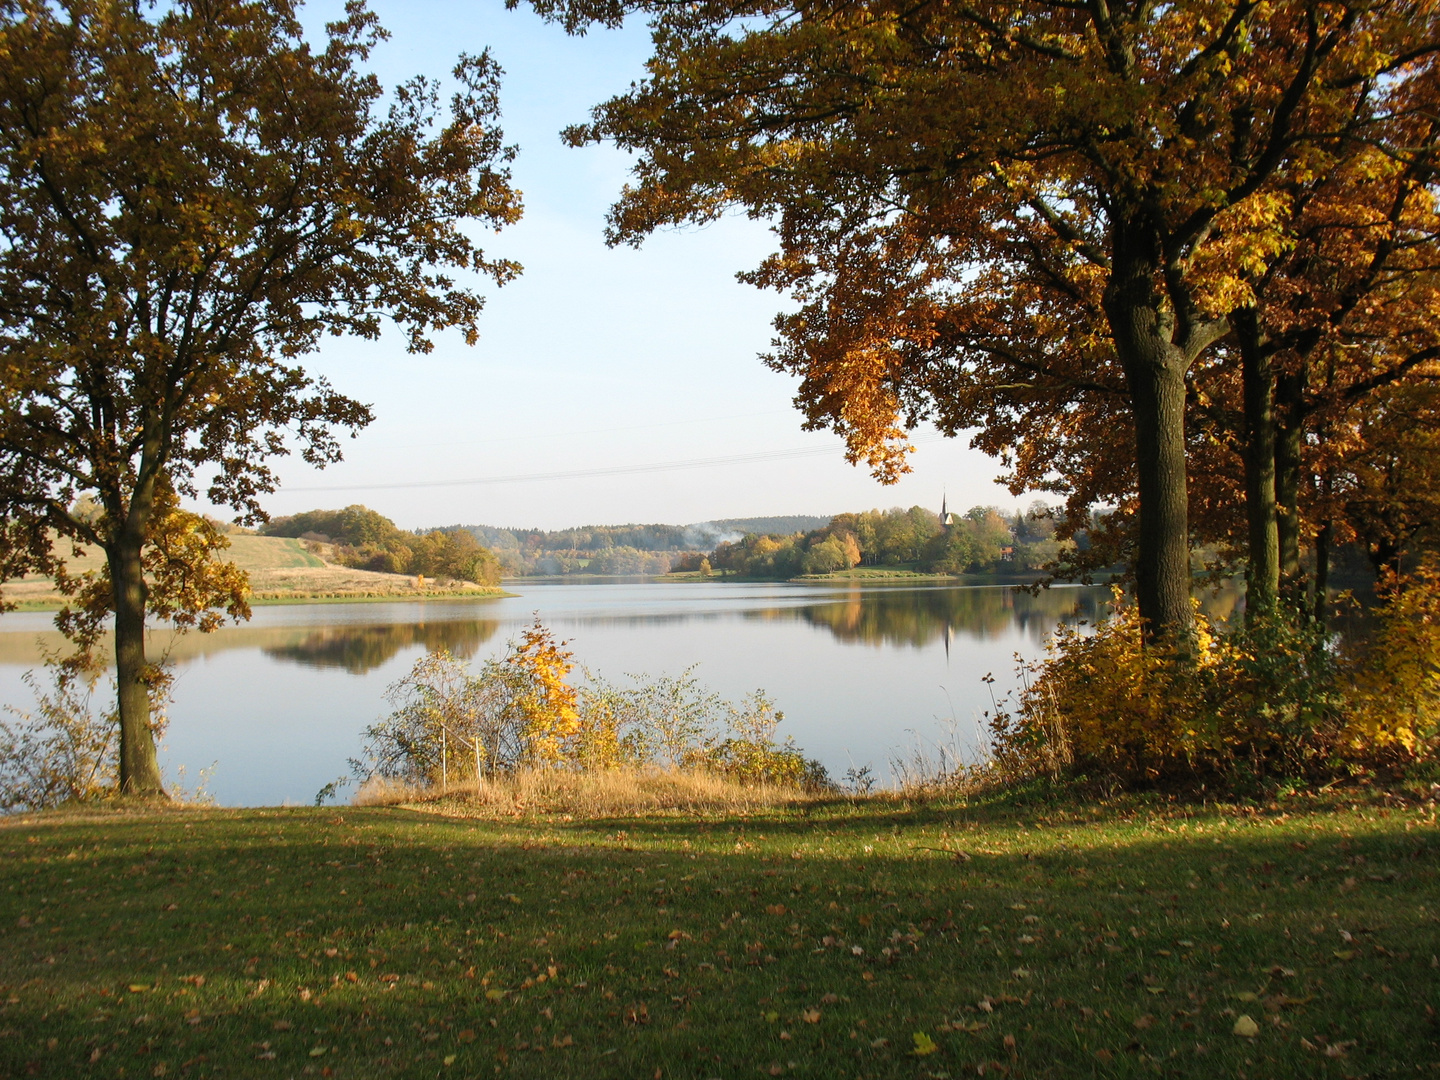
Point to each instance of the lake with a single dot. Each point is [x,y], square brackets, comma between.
[864,673]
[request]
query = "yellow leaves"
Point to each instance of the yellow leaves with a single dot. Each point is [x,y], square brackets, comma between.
[924,1045]
[548,705]
[810,1016]
[1245,1027]
[495,994]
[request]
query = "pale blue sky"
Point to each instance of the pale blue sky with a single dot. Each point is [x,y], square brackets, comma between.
[596,360]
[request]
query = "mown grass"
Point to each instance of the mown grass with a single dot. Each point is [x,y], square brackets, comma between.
[1053,939]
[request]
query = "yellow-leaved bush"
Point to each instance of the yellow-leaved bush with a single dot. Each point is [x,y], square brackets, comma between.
[1395,700]
[1275,699]
[520,711]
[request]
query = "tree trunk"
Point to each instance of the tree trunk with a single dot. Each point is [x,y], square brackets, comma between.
[1155,374]
[1262,577]
[1322,574]
[139,766]
[1289,406]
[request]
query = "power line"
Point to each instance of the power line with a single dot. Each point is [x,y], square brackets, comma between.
[609,470]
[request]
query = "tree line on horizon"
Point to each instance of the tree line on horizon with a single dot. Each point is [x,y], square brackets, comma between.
[983,540]
[367,540]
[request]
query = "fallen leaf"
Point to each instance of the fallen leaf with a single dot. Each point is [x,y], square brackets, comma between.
[449,1059]
[924,1045]
[494,994]
[811,1016]
[1246,1027]
[282,1025]
[318,1051]
[1144,1022]
[1344,954]
[138,988]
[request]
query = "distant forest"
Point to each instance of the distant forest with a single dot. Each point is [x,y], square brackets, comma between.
[983,540]
[622,549]
[367,540]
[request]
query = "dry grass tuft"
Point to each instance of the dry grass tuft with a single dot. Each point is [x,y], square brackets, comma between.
[611,793]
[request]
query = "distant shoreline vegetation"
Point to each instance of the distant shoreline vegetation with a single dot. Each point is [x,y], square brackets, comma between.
[876,544]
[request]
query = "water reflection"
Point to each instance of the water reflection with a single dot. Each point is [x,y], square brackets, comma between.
[919,617]
[358,649]
[359,640]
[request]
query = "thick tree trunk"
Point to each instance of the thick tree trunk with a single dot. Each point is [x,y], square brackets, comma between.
[1155,374]
[1262,577]
[1289,409]
[139,766]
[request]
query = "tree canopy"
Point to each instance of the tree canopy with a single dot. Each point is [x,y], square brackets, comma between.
[1034,218]
[191,198]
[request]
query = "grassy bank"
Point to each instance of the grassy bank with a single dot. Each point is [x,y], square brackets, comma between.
[281,571]
[830,939]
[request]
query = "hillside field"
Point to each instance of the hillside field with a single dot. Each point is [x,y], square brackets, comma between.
[281,570]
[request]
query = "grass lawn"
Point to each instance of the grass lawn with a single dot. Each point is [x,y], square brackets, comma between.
[835,940]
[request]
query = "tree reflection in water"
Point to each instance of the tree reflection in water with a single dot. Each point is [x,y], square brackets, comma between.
[920,616]
[358,649]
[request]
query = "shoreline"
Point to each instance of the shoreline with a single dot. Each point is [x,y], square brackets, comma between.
[280,600]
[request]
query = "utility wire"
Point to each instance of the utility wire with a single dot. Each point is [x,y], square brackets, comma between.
[609,470]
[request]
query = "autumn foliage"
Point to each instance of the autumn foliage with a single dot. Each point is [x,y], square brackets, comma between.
[1273,701]
[521,712]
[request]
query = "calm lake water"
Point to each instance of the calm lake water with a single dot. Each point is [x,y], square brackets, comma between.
[864,673]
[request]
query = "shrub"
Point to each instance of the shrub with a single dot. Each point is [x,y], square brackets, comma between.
[1265,701]
[519,712]
[1395,704]
[62,752]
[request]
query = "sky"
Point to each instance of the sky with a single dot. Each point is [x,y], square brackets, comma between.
[597,365]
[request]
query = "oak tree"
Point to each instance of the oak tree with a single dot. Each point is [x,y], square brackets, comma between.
[1007,214]
[191,197]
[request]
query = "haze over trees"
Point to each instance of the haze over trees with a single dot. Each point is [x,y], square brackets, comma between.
[623,549]
[191,197]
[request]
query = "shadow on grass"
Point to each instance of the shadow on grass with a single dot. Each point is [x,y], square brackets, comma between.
[382,943]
